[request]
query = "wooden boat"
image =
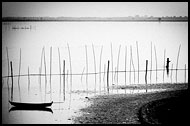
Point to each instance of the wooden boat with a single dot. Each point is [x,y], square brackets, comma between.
[26,105]
[30,109]
[31,105]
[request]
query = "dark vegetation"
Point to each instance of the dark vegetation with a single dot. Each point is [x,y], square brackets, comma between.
[129,18]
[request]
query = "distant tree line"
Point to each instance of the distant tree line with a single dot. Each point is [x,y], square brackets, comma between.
[129,18]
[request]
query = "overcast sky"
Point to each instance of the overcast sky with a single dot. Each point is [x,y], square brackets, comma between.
[94,9]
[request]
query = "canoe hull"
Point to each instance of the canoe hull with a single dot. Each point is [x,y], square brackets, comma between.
[30,109]
[31,105]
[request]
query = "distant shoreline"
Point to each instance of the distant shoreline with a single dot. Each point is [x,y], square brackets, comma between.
[91,21]
[94,19]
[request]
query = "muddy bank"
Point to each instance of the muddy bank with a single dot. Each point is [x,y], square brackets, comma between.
[171,110]
[118,108]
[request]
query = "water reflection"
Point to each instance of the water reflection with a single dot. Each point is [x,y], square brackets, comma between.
[30,109]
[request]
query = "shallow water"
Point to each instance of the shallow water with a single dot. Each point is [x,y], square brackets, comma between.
[63,111]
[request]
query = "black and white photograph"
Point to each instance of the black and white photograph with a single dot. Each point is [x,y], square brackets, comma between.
[94,62]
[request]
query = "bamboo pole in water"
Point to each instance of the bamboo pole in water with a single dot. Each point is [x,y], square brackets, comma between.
[3,83]
[118,64]
[104,76]
[70,75]
[60,74]
[45,73]
[63,80]
[130,67]
[41,68]
[82,74]
[133,64]
[138,59]
[100,68]
[12,81]
[70,67]
[8,72]
[133,68]
[39,77]
[19,70]
[146,74]
[177,61]
[50,72]
[171,73]
[115,72]
[94,66]
[40,83]
[67,80]
[86,69]
[185,73]
[125,65]
[156,62]
[108,77]
[164,64]
[115,77]
[151,64]
[28,80]
[19,76]
[112,63]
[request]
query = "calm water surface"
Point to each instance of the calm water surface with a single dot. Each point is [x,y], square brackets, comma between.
[31,37]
